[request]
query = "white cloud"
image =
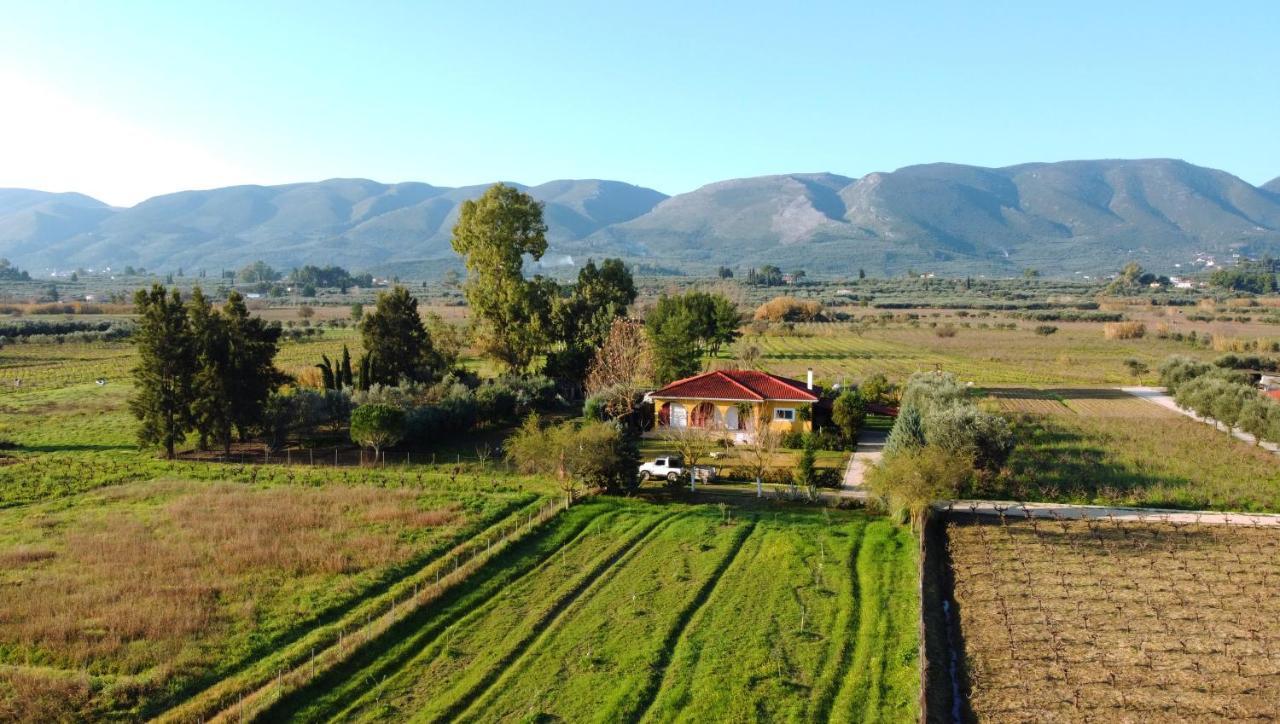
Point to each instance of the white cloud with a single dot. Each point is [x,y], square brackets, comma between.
[53,142]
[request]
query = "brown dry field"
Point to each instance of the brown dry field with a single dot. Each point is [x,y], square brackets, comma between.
[1106,621]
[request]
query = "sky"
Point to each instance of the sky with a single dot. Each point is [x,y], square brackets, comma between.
[126,100]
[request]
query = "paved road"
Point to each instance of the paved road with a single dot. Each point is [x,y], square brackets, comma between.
[1156,395]
[1099,512]
[868,452]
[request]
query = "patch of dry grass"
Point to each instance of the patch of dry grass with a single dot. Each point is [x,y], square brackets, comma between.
[143,583]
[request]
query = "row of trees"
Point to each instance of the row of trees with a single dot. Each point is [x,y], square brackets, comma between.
[201,369]
[1221,394]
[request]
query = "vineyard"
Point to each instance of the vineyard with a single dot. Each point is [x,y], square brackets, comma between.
[1076,355]
[48,366]
[628,611]
[1108,621]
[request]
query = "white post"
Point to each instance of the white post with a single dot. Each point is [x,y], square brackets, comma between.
[759,487]
[693,477]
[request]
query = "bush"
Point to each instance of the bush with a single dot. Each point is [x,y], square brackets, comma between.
[592,454]
[946,330]
[970,433]
[789,309]
[377,426]
[1124,330]
[1044,330]
[908,482]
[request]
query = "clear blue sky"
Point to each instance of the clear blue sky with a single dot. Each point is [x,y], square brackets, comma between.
[124,100]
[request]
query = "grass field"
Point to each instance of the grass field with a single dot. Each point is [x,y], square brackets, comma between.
[1107,447]
[114,603]
[1101,621]
[623,611]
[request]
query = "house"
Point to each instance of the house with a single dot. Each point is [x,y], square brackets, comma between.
[736,403]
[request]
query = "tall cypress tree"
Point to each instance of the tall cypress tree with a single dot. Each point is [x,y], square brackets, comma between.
[397,345]
[211,398]
[164,375]
[252,345]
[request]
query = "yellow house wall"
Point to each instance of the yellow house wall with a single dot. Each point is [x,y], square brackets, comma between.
[759,410]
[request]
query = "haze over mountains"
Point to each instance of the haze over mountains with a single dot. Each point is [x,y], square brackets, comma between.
[1061,218]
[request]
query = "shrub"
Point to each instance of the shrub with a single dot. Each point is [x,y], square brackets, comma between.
[789,309]
[593,454]
[982,437]
[1044,330]
[908,482]
[377,426]
[945,330]
[1124,330]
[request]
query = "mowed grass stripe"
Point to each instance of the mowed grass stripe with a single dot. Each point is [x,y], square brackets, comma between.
[635,708]
[779,626]
[479,683]
[338,693]
[596,666]
[884,681]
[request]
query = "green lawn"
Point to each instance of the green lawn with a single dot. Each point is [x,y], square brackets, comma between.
[627,610]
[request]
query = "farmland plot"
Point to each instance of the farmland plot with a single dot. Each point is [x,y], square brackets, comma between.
[614,610]
[1095,620]
[117,603]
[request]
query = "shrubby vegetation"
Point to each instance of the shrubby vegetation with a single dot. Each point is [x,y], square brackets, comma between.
[1223,394]
[590,454]
[940,442]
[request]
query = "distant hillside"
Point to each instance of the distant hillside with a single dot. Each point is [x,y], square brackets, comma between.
[353,222]
[1085,216]
[1072,217]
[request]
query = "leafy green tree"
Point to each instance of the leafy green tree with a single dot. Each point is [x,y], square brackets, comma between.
[258,272]
[1256,417]
[253,374]
[1137,368]
[357,312]
[211,400]
[806,473]
[909,481]
[164,374]
[673,335]
[397,345]
[684,327]
[583,317]
[848,413]
[494,233]
[377,426]
[591,454]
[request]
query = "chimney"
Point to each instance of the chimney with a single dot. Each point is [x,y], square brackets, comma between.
[809,380]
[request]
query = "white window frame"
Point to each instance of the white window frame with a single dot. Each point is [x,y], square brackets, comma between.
[789,417]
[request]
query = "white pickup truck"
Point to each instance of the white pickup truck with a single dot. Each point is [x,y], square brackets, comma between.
[672,469]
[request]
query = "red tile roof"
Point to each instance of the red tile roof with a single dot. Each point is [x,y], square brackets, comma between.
[744,385]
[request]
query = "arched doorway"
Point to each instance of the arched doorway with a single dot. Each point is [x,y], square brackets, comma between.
[704,415]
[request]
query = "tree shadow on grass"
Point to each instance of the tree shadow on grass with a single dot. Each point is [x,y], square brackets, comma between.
[1055,462]
[72,447]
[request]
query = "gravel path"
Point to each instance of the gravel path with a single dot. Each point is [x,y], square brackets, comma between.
[1157,395]
[868,452]
[1100,512]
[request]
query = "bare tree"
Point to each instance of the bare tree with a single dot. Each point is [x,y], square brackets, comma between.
[692,444]
[622,367]
[760,454]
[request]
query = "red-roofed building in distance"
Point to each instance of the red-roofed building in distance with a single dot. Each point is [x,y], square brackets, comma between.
[736,403]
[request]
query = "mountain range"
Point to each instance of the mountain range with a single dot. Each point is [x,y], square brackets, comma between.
[1060,218]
